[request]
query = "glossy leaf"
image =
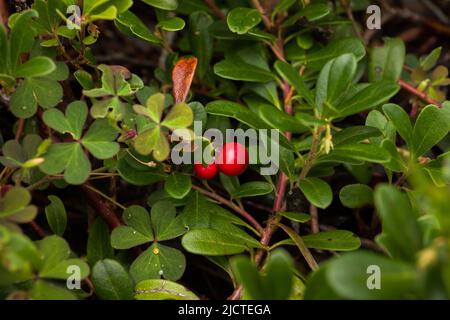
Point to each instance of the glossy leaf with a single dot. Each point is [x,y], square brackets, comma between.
[317,191]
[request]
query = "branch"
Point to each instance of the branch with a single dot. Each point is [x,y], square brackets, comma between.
[231,205]
[215,9]
[262,11]
[103,208]
[314,218]
[419,94]
[4,14]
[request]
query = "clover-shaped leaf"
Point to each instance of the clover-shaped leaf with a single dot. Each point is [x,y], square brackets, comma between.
[153,109]
[56,259]
[15,207]
[137,231]
[166,223]
[153,139]
[24,155]
[158,260]
[72,122]
[116,82]
[70,157]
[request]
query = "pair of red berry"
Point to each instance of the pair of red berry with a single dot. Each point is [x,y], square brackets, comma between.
[232,160]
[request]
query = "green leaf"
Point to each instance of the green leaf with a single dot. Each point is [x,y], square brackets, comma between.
[166,224]
[138,230]
[157,262]
[279,275]
[355,134]
[194,214]
[395,210]
[154,107]
[275,284]
[178,185]
[162,290]
[282,6]
[35,67]
[125,237]
[317,191]
[431,59]
[70,158]
[130,24]
[356,195]
[358,151]
[23,103]
[289,73]
[386,63]
[252,189]
[336,240]
[296,216]
[401,121]
[350,276]
[60,270]
[137,173]
[111,281]
[98,243]
[235,69]
[56,215]
[43,290]
[172,24]
[432,125]
[239,112]
[4,52]
[312,12]
[224,225]
[14,206]
[146,141]
[212,242]
[53,249]
[72,122]
[169,5]
[318,287]
[48,93]
[179,117]
[99,140]
[396,163]
[241,20]
[316,59]
[248,275]
[298,241]
[369,97]
[279,119]
[84,78]
[335,79]
[21,37]
[201,40]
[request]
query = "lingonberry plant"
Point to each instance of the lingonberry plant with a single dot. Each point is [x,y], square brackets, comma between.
[101,100]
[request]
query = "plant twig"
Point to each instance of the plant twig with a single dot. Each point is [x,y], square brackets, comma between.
[103,208]
[263,13]
[215,9]
[421,95]
[38,229]
[19,130]
[231,205]
[314,218]
[4,14]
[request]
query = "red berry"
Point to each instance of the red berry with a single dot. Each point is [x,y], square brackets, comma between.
[207,172]
[232,159]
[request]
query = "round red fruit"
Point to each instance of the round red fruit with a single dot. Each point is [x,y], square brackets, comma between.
[232,160]
[207,172]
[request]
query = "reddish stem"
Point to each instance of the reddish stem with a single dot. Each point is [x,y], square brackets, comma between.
[102,207]
[421,95]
